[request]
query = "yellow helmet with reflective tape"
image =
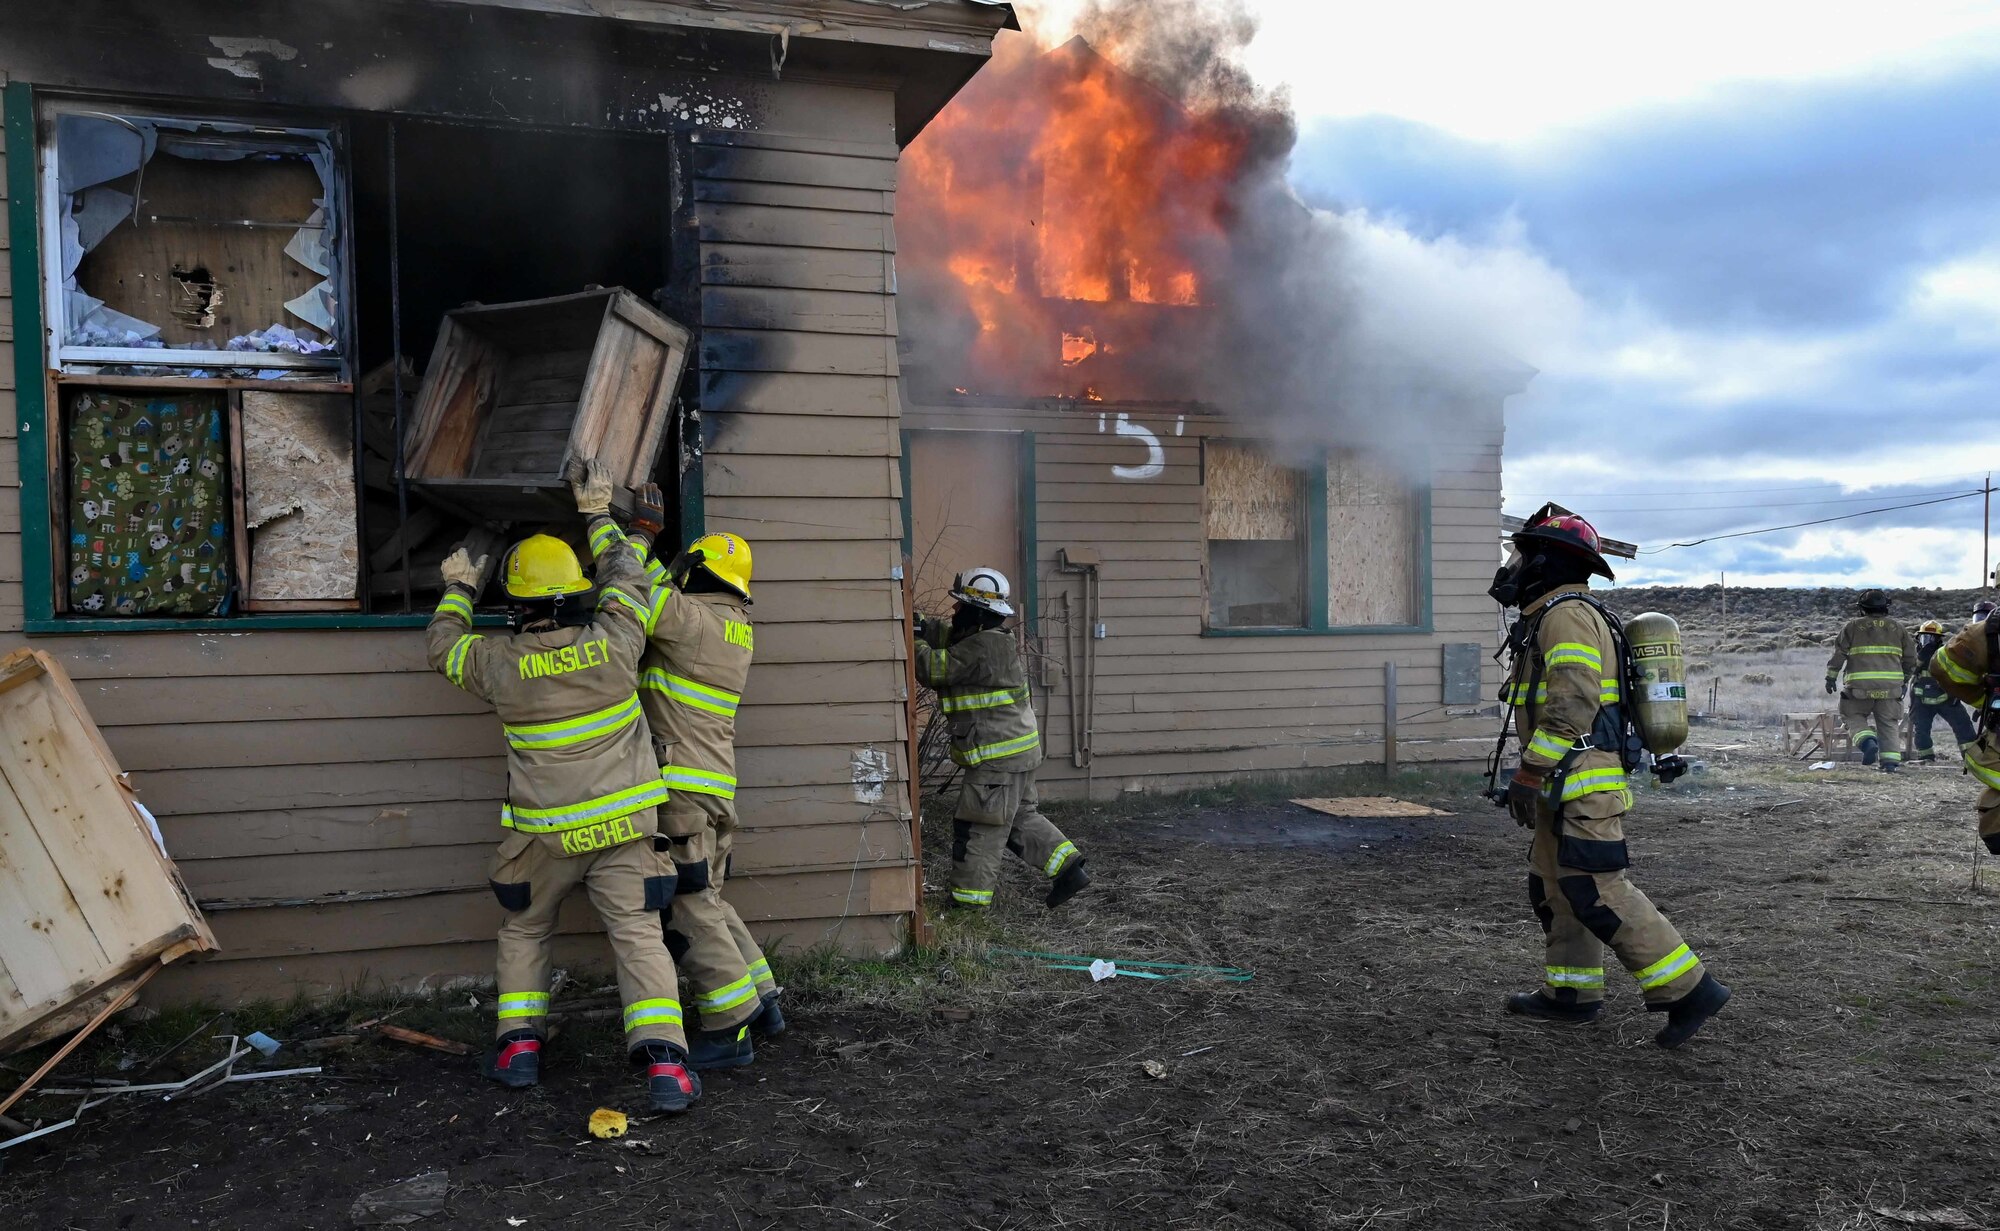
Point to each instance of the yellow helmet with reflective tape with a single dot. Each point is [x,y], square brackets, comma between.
[543,566]
[1933,627]
[726,556]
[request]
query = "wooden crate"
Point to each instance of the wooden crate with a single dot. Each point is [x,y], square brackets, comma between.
[515,391]
[91,900]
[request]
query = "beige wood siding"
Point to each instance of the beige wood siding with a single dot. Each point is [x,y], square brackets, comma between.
[294,769]
[1174,706]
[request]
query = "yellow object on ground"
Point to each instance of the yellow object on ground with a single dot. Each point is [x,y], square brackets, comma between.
[606,1124]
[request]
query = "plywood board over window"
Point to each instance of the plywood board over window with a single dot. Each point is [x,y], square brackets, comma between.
[965,510]
[1372,533]
[297,473]
[1255,506]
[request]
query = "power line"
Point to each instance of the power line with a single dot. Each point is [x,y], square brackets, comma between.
[1774,504]
[1654,551]
[1715,491]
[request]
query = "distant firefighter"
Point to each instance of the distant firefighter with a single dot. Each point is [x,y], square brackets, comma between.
[1879,657]
[1930,702]
[1964,669]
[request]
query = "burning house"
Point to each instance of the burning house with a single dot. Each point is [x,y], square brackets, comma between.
[1138,381]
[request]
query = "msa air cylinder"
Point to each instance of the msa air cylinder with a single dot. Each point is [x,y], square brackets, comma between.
[1660,710]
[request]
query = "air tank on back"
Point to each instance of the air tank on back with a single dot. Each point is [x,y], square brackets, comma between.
[1660,708]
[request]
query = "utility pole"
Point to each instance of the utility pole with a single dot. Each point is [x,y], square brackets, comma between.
[1986,538]
[1722,597]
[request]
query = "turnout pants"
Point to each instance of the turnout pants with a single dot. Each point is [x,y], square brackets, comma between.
[1989,819]
[629,884]
[1881,717]
[1924,715]
[726,971]
[996,811]
[1583,909]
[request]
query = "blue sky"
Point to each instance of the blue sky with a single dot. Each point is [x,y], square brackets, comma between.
[1753,249]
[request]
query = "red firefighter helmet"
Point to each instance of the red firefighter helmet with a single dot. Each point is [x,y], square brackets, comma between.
[1555,526]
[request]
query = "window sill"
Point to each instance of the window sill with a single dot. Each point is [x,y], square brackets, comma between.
[1351,630]
[91,625]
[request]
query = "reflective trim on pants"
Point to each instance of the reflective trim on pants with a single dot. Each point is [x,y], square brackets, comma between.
[1667,969]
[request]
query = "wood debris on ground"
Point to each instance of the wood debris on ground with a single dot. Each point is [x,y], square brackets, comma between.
[1370,806]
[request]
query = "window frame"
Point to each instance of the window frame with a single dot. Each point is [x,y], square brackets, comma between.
[37,380]
[1319,601]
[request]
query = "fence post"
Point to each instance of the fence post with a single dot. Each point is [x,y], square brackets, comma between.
[1389,720]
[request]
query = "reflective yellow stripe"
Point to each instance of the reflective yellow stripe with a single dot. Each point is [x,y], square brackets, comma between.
[760,969]
[455,604]
[743,991]
[649,1012]
[612,593]
[1061,856]
[1548,745]
[568,731]
[1573,652]
[1575,976]
[1991,777]
[1667,969]
[700,781]
[1608,691]
[659,608]
[454,662]
[1894,650]
[983,700]
[1873,675]
[1958,674]
[973,897]
[1517,694]
[1593,781]
[995,752]
[688,692]
[603,535]
[1864,733]
[590,811]
[523,1004]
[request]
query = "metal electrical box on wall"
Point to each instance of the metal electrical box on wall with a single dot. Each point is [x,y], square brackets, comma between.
[1461,673]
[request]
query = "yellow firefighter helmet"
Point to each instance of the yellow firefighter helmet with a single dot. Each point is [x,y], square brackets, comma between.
[726,556]
[543,566]
[1934,627]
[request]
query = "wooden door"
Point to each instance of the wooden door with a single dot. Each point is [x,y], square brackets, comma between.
[965,511]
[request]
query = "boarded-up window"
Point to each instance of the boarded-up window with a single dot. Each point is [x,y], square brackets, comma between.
[1372,533]
[1256,539]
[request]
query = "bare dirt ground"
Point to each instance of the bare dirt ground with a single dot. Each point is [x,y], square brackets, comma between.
[1363,1078]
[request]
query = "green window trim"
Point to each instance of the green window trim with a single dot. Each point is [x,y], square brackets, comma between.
[1319,601]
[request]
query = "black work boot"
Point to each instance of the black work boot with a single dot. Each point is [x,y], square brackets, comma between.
[1538,1004]
[770,1019]
[1692,1011]
[1071,881]
[1925,758]
[1869,747]
[516,1061]
[1891,767]
[671,1083]
[722,1049]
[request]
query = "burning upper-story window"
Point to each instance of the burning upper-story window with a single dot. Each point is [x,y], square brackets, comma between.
[191,246]
[1060,223]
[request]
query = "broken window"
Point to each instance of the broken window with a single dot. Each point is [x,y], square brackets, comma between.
[1374,536]
[181,246]
[1256,539]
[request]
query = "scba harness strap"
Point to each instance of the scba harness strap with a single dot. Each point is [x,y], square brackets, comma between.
[1610,730]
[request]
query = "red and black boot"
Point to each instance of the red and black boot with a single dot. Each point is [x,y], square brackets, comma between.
[516,1061]
[672,1084]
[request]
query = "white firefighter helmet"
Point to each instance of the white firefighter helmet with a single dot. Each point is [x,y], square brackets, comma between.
[984,588]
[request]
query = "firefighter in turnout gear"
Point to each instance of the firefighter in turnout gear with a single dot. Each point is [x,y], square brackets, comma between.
[1929,701]
[1879,657]
[698,647]
[974,664]
[1968,669]
[583,788]
[1565,685]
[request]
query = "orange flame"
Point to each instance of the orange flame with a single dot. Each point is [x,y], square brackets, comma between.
[1053,211]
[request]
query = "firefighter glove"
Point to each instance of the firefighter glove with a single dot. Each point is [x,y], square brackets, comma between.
[461,569]
[591,487]
[922,624]
[1524,795]
[1830,686]
[684,563]
[649,511]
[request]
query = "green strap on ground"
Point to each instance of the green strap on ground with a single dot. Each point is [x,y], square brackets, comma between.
[1130,969]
